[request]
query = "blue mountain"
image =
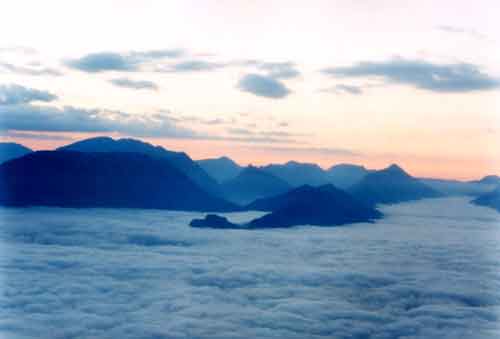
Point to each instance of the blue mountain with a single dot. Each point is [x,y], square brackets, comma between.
[253,183]
[390,185]
[102,179]
[179,160]
[11,150]
[297,174]
[305,205]
[221,169]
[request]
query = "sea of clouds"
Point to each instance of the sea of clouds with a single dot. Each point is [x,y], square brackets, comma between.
[430,269]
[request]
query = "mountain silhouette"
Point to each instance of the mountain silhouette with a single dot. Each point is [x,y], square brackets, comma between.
[305,205]
[220,169]
[11,150]
[489,179]
[297,174]
[179,160]
[457,188]
[253,183]
[214,221]
[122,179]
[346,175]
[390,185]
[491,199]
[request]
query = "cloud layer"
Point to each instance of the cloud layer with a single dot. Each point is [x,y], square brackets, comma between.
[71,119]
[264,86]
[425,271]
[457,77]
[134,84]
[125,62]
[16,94]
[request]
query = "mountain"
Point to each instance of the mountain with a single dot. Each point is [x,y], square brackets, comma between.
[305,205]
[220,169]
[456,187]
[298,174]
[491,199]
[489,180]
[179,160]
[214,221]
[122,179]
[253,183]
[346,175]
[390,185]
[11,150]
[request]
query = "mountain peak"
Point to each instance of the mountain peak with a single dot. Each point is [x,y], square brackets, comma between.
[395,167]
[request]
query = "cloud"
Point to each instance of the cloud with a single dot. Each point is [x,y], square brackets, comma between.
[343,88]
[16,94]
[34,136]
[240,131]
[32,70]
[460,30]
[192,66]
[321,151]
[263,86]
[120,273]
[458,77]
[126,62]
[279,70]
[134,84]
[25,117]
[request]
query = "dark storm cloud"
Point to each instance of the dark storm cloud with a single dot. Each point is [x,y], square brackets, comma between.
[134,84]
[16,94]
[263,86]
[456,77]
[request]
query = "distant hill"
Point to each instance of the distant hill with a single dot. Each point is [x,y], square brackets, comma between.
[346,175]
[491,199]
[298,174]
[305,205]
[122,179]
[390,185]
[253,183]
[456,187]
[220,169]
[489,179]
[11,150]
[179,160]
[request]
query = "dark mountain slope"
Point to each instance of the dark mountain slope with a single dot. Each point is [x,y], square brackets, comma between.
[11,150]
[179,160]
[253,183]
[306,205]
[491,199]
[221,169]
[346,175]
[297,174]
[80,179]
[390,185]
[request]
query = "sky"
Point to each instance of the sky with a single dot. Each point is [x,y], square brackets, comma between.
[363,82]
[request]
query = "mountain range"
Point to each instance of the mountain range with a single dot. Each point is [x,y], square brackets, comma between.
[390,185]
[179,160]
[81,175]
[101,179]
[306,205]
[253,183]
